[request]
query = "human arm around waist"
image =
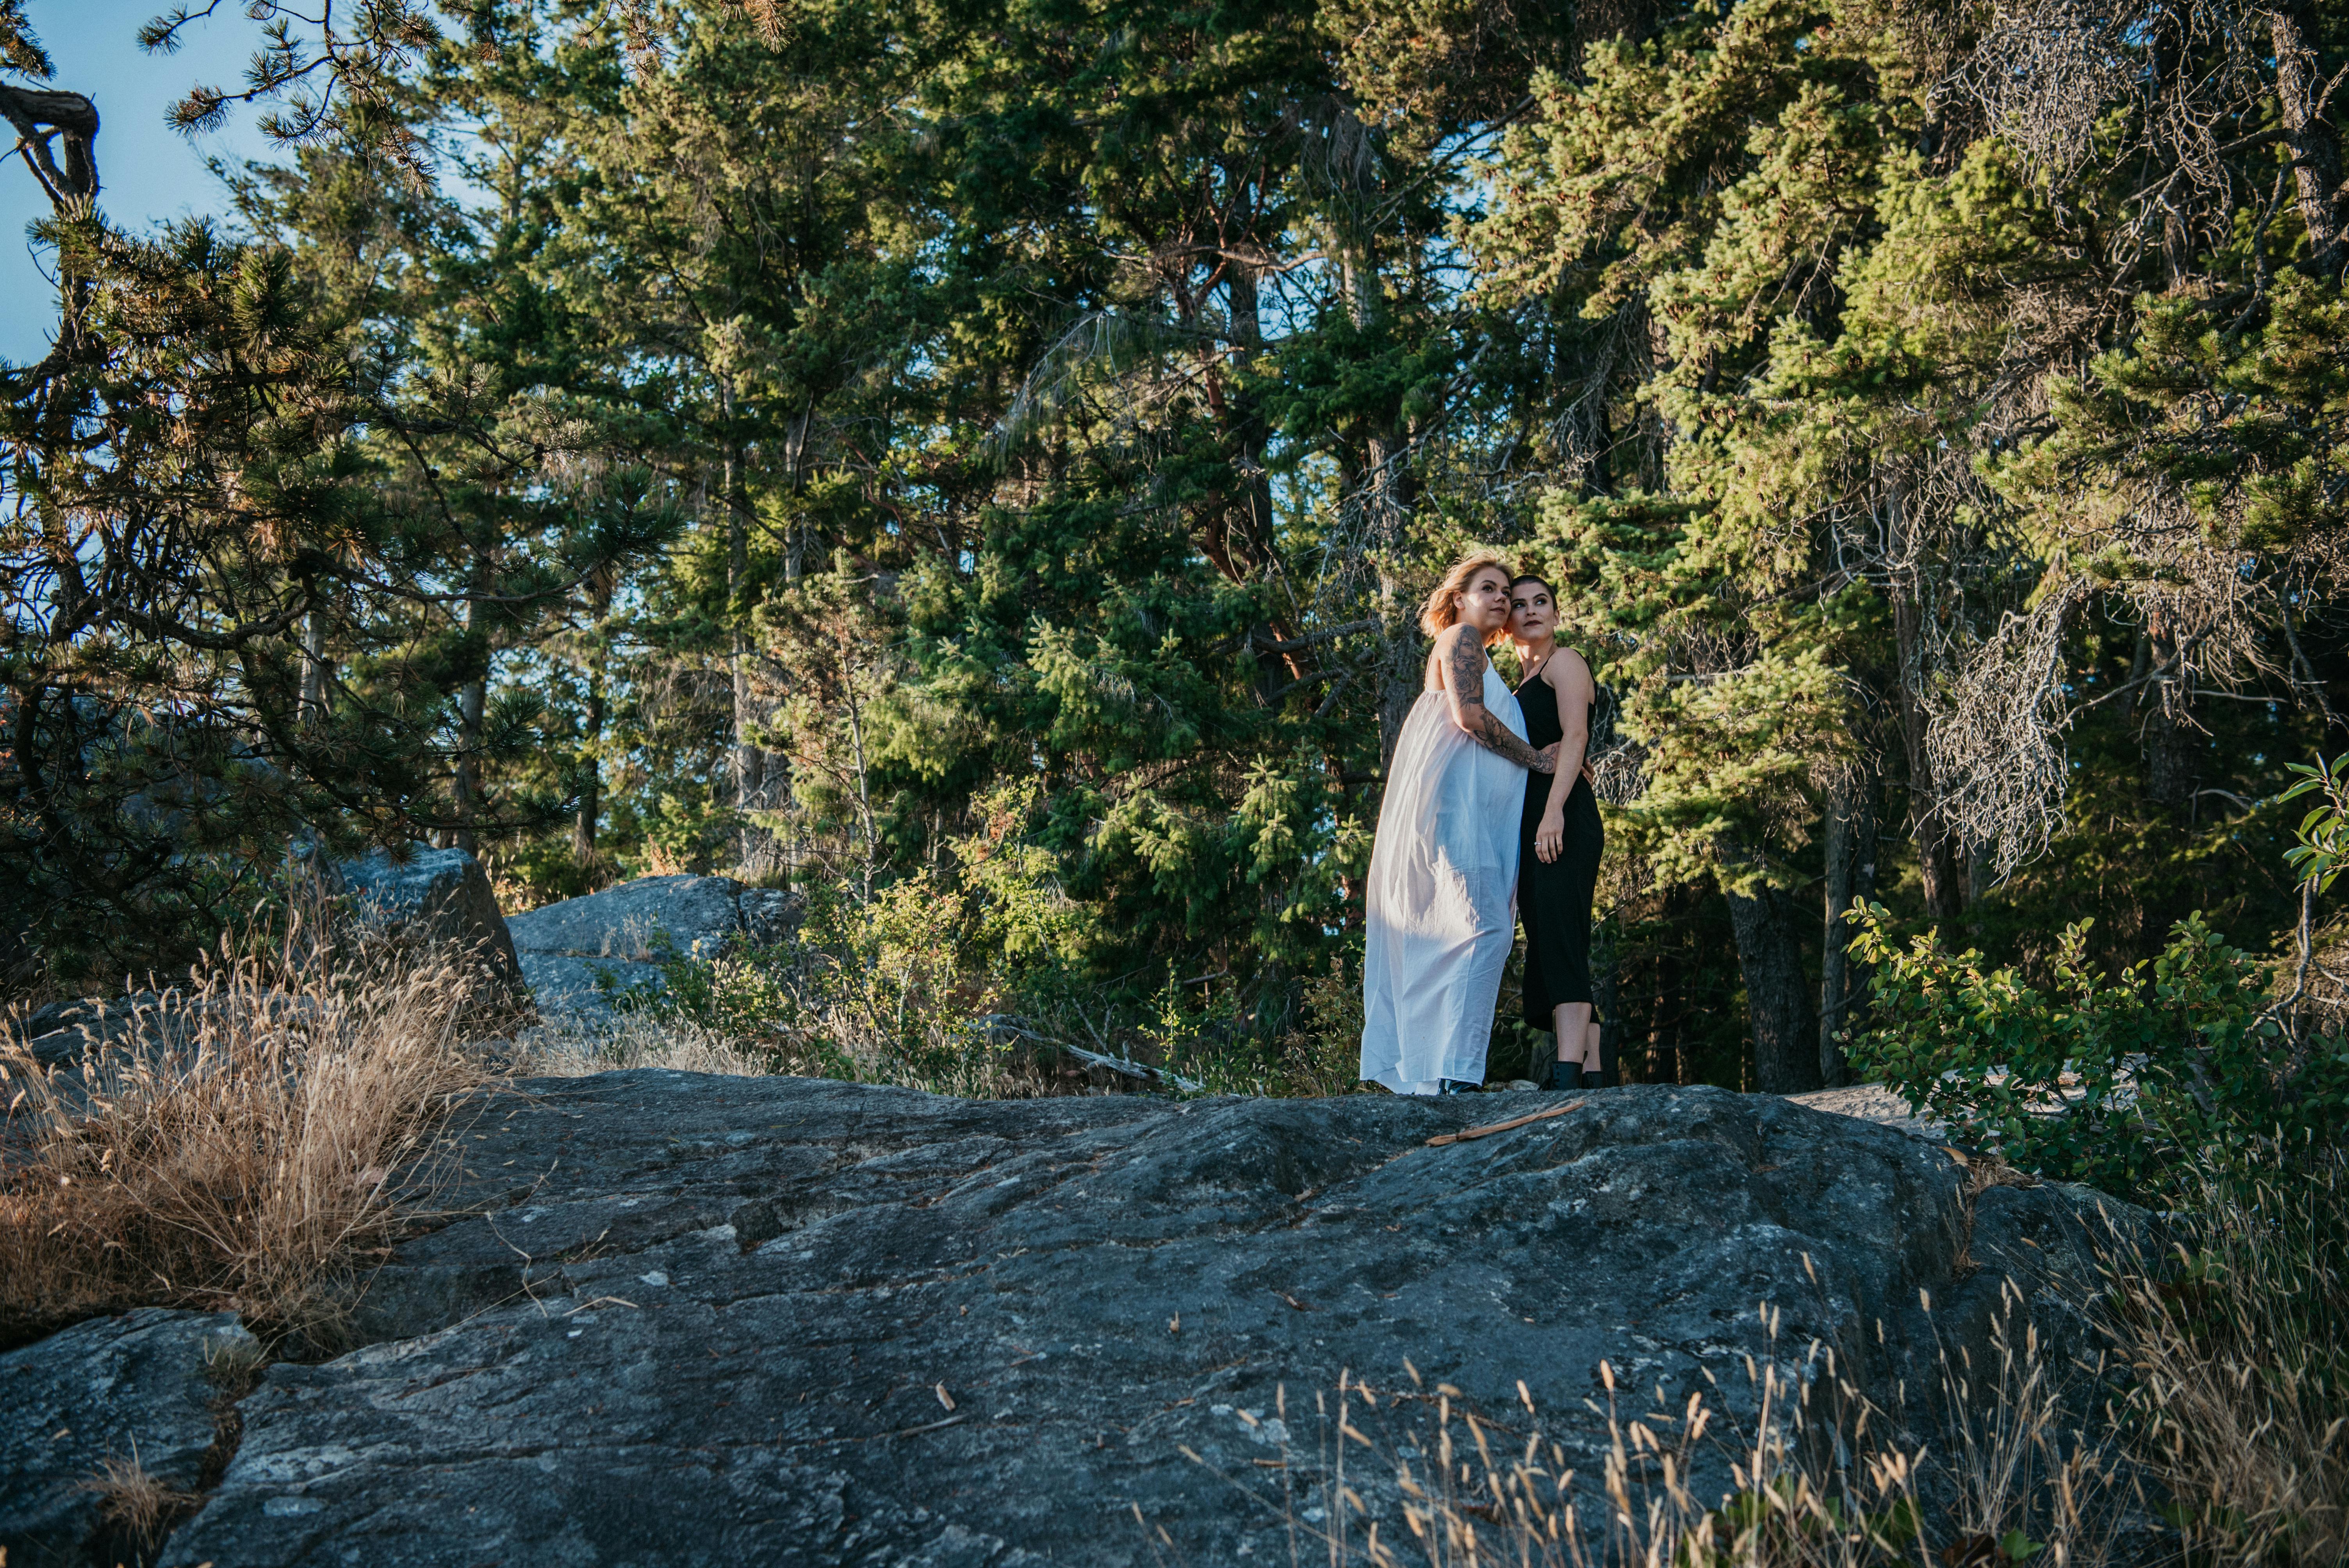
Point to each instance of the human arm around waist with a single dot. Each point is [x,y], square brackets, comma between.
[1569,677]
[1461,659]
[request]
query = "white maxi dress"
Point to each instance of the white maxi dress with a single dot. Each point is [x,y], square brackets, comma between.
[1442,898]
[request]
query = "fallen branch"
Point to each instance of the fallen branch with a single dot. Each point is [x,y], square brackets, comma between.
[1133,1069]
[1441,1139]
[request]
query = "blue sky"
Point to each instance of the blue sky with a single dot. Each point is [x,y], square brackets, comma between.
[147,171]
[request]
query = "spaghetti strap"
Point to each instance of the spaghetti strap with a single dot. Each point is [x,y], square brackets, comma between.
[1554,900]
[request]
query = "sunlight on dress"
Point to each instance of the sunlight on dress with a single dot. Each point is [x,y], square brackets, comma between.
[1442,898]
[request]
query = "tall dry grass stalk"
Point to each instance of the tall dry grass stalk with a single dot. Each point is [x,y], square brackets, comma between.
[245,1145]
[1817,1477]
[135,1503]
[571,1045]
[2030,1458]
[2239,1350]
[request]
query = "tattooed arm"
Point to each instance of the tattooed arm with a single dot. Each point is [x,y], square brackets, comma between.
[1462,657]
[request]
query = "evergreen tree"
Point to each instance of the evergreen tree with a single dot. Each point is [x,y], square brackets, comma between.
[980,458]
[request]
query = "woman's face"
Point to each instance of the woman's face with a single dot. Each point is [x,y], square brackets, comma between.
[1532,614]
[1485,603]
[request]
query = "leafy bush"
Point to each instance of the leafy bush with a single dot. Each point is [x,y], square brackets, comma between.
[2113,1079]
[990,981]
[882,989]
[2100,1078]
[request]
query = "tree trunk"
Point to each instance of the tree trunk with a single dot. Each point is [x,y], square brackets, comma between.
[594,647]
[1249,430]
[1607,992]
[314,667]
[1383,517]
[2315,146]
[1853,805]
[749,761]
[1400,675]
[2173,756]
[1668,1005]
[1937,850]
[471,702]
[591,789]
[1777,997]
[71,118]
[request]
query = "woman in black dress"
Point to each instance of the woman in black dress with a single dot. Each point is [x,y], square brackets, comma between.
[1559,837]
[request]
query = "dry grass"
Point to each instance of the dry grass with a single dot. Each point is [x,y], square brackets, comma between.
[2027,1459]
[2239,1402]
[1817,1477]
[244,1148]
[135,1503]
[574,1045]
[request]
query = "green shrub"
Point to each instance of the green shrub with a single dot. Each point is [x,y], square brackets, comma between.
[2099,1079]
[2121,1080]
[877,988]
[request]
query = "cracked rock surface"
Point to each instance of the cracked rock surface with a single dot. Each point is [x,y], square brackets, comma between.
[730,1320]
[139,1388]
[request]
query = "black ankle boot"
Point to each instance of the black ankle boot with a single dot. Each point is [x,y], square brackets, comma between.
[1458,1086]
[1594,1080]
[1562,1077]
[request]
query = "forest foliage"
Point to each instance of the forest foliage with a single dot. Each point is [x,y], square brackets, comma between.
[978,461]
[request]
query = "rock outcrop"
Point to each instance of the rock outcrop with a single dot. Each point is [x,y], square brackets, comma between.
[137,1390]
[62,1032]
[427,896]
[733,1320]
[576,954]
[439,896]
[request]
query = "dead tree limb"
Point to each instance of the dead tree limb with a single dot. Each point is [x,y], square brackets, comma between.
[40,118]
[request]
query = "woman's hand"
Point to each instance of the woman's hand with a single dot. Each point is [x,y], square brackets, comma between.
[1463,665]
[1550,838]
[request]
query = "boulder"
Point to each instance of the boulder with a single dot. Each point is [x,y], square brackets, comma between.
[716,1320]
[60,1033]
[1872,1102]
[612,936]
[441,896]
[137,1387]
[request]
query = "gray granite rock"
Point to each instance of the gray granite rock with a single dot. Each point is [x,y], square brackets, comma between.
[138,1386]
[442,896]
[722,1320]
[577,951]
[62,1032]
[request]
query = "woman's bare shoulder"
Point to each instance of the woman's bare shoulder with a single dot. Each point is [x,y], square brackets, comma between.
[1459,658]
[1450,637]
[1565,665]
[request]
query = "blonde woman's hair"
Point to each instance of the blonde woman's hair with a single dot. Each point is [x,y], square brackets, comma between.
[1442,611]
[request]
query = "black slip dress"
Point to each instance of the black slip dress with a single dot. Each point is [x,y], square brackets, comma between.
[1554,900]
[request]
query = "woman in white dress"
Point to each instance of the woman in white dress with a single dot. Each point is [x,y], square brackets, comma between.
[1442,895]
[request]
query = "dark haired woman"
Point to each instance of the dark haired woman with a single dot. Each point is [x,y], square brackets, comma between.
[1444,868]
[1559,836]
